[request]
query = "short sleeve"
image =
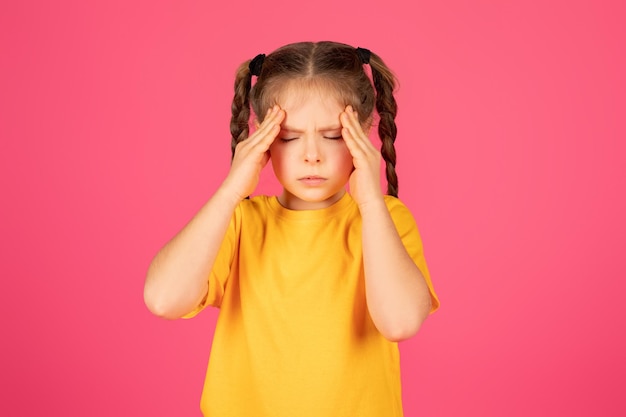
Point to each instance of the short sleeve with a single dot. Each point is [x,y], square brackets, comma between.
[409,233]
[222,267]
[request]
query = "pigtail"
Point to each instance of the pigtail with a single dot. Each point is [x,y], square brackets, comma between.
[385,82]
[240,109]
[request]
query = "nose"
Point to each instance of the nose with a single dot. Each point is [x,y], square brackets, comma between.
[311,151]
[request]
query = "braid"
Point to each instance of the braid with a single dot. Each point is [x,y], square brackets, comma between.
[384,82]
[321,64]
[240,109]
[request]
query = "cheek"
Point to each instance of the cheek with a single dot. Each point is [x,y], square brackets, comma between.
[279,157]
[344,159]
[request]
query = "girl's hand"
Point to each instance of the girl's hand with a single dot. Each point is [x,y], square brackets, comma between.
[251,155]
[365,179]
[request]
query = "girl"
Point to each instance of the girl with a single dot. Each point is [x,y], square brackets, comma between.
[315,286]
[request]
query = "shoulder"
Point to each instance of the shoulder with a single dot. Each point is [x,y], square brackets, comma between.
[257,207]
[397,208]
[401,216]
[392,201]
[257,203]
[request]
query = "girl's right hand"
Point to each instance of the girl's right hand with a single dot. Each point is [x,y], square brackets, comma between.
[252,154]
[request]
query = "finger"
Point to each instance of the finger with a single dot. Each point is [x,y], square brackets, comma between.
[271,115]
[351,121]
[350,134]
[276,118]
[268,126]
[353,145]
[353,117]
[270,132]
[257,142]
[267,120]
[357,131]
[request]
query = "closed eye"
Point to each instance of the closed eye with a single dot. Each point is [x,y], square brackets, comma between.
[333,137]
[287,139]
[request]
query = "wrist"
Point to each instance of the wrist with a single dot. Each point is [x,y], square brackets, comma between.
[373,205]
[227,197]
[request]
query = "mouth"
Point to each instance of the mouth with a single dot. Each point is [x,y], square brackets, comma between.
[312,180]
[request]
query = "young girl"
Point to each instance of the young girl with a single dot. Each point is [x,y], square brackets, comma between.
[315,286]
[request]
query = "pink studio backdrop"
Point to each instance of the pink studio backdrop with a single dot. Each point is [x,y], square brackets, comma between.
[114,124]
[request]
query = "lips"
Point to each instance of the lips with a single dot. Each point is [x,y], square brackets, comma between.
[312,180]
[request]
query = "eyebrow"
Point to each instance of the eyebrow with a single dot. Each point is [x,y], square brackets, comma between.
[323,129]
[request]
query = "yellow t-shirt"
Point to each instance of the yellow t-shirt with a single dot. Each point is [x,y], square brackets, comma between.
[294,337]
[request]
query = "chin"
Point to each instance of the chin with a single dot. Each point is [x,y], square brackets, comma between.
[308,200]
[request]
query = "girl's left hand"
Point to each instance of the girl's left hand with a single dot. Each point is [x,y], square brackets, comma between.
[365,179]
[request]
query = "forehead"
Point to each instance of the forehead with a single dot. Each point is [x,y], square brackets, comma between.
[297,92]
[309,104]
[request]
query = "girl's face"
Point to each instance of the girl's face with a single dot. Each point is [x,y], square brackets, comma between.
[309,157]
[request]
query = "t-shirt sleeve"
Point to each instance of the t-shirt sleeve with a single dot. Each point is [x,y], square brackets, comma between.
[409,233]
[222,267]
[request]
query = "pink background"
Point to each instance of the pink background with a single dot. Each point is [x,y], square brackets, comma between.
[114,124]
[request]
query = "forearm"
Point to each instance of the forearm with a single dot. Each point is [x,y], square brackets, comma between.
[398,297]
[177,278]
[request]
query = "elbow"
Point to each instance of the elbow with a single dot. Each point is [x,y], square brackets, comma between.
[170,304]
[161,299]
[159,306]
[399,333]
[403,328]
[161,312]
[161,302]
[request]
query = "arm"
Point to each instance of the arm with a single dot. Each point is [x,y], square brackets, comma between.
[177,278]
[398,298]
